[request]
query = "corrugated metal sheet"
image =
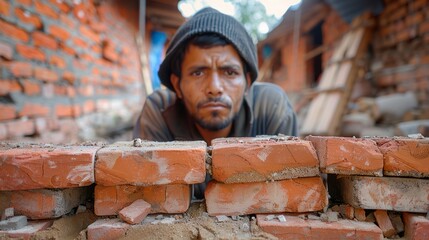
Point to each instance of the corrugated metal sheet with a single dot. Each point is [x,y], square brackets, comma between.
[349,9]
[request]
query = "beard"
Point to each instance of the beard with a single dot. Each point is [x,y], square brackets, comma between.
[216,122]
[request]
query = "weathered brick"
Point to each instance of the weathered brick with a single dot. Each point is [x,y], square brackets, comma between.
[45,9]
[416,226]
[28,18]
[57,61]
[19,128]
[386,193]
[136,212]
[13,32]
[384,223]
[45,74]
[7,112]
[360,214]
[20,69]
[39,166]
[62,110]
[45,203]
[30,52]
[163,198]
[4,8]
[25,2]
[33,109]
[43,40]
[88,33]
[109,51]
[30,87]
[59,32]
[294,195]
[6,51]
[296,228]
[151,163]
[29,230]
[69,77]
[405,156]
[62,5]
[105,229]
[351,156]
[9,86]
[261,159]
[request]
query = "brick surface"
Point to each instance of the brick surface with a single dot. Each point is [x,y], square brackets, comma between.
[38,166]
[31,53]
[20,69]
[387,193]
[294,195]
[107,229]
[4,8]
[296,228]
[29,230]
[136,212]
[19,128]
[384,223]
[45,9]
[416,226]
[151,164]
[162,198]
[405,157]
[351,156]
[45,74]
[30,87]
[31,109]
[6,50]
[7,112]
[43,40]
[44,203]
[28,18]
[59,32]
[13,32]
[261,159]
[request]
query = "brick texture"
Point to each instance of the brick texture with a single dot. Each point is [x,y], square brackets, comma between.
[151,164]
[28,231]
[136,212]
[38,166]
[104,229]
[416,226]
[237,160]
[162,198]
[295,195]
[384,223]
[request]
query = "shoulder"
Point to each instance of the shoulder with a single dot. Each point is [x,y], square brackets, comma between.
[268,91]
[162,99]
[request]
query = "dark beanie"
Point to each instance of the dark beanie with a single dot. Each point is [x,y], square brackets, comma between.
[209,20]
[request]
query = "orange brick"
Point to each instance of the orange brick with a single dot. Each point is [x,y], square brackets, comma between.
[405,157]
[45,74]
[136,212]
[88,33]
[162,198]
[105,229]
[45,203]
[57,61]
[385,193]
[295,195]
[384,223]
[7,112]
[63,6]
[9,86]
[296,228]
[351,156]
[33,109]
[29,18]
[20,69]
[36,166]
[13,32]
[45,10]
[59,32]
[43,40]
[261,159]
[360,214]
[4,8]
[416,226]
[30,87]
[6,50]
[28,231]
[30,52]
[19,128]
[152,163]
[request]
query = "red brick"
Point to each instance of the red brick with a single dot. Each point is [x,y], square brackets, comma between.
[30,52]
[152,163]
[105,229]
[416,226]
[20,69]
[360,214]
[4,8]
[33,109]
[294,195]
[64,7]
[80,42]
[262,159]
[65,19]
[62,110]
[296,228]
[384,223]
[70,51]
[13,32]
[45,74]
[59,32]
[424,27]
[42,40]
[163,198]
[33,167]
[30,87]
[45,10]
[352,156]
[136,212]
[45,203]
[385,193]
[97,26]
[69,77]
[109,51]
[414,19]
[88,33]
[405,157]
[6,51]
[27,17]
[88,106]
[57,61]
[25,2]
[28,231]
[7,112]
[18,128]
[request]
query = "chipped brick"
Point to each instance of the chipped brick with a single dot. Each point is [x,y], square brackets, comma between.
[136,212]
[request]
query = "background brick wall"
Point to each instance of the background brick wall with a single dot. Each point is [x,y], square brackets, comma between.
[69,69]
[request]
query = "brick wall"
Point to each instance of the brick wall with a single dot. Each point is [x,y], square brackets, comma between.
[67,68]
[377,187]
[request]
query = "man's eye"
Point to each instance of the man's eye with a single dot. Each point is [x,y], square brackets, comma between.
[231,72]
[197,73]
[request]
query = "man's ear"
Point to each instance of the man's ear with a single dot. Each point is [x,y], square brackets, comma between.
[176,85]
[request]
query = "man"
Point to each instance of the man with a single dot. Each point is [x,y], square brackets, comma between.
[209,70]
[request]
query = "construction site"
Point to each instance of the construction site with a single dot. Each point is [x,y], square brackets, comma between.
[76,74]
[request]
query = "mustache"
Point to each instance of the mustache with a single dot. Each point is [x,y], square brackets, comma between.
[223,100]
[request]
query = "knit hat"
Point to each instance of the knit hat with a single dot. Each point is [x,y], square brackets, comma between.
[209,20]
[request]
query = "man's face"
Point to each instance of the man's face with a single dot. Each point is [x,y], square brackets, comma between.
[212,85]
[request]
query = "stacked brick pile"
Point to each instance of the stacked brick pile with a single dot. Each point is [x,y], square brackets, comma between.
[378,187]
[63,60]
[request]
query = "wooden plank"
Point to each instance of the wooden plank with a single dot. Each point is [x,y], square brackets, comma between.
[355,43]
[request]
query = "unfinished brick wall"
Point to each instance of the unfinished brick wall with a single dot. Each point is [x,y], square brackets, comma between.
[64,61]
[377,186]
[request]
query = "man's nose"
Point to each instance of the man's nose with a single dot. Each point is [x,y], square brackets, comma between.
[214,85]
